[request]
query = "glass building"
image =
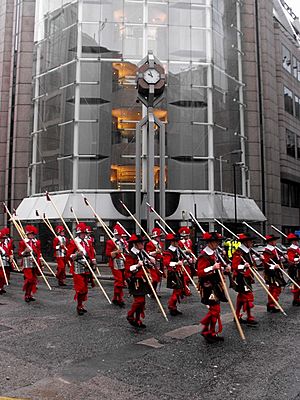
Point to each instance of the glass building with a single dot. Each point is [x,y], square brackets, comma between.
[85,108]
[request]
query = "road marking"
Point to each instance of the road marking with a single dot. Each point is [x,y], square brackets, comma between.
[152,342]
[183,332]
[13,398]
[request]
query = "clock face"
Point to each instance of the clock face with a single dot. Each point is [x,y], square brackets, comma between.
[151,76]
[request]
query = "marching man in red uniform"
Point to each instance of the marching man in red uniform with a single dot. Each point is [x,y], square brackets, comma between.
[116,256]
[241,262]
[137,282]
[186,244]
[273,276]
[27,248]
[212,291]
[5,254]
[293,254]
[60,250]
[77,250]
[154,249]
[173,261]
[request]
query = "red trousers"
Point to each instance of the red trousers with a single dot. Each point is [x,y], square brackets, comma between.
[30,281]
[155,275]
[175,297]
[81,288]
[210,320]
[186,280]
[275,292]
[296,292]
[2,277]
[118,284]
[61,269]
[137,310]
[245,301]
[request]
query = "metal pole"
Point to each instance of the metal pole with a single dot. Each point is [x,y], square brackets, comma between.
[150,168]
[162,169]
[221,189]
[234,189]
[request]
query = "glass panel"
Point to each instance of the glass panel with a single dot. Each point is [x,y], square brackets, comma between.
[157,13]
[198,45]
[290,143]
[158,41]
[298,147]
[94,174]
[297,107]
[286,59]
[91,11]
[295,67]
[179,13]
[285,198]
[187,175]
[133,11]
[288,101]
[133,42]
[179,43]
[111,39]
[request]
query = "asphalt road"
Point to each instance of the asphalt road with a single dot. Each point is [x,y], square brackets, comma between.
[47,351]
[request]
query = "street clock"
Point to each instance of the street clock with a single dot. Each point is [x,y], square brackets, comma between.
[151,80]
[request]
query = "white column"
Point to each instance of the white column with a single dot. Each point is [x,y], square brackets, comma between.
[210,115]
[77,100]
[241,96]
[32,190]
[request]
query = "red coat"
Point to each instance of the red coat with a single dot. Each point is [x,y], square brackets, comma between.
[239,258]
[151,247]
[205,261]
[110,247]
[130,260]
[72,249]
[292,254]
[35,245]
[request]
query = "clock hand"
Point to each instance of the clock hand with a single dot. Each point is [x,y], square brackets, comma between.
[150,73]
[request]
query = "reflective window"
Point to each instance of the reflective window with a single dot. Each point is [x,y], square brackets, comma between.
[286,59]
[288,101]
[297,107]
[290,143]
[115,36]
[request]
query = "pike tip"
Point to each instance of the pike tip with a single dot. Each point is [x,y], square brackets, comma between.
[86,201]
[47,196]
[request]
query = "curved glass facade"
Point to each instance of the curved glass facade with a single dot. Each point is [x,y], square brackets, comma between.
[85,109]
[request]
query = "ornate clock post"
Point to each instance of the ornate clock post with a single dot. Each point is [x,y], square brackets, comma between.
[151,80]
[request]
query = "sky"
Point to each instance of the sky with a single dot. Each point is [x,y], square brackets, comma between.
[295,5]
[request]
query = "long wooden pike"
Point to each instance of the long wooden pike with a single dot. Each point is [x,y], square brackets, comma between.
[23,237]
[254,272]
[273,262]
[23,231]
[231,306]
[180,250]
[78,246]
[279,231]
[77,221]
[145,272]
[103,224]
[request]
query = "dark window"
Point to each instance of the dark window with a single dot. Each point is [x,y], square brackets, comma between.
[290,143]
[295,67]
[298,147]
[285,194]
[286,59]
[288,100]
[290,194]
[297,107]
